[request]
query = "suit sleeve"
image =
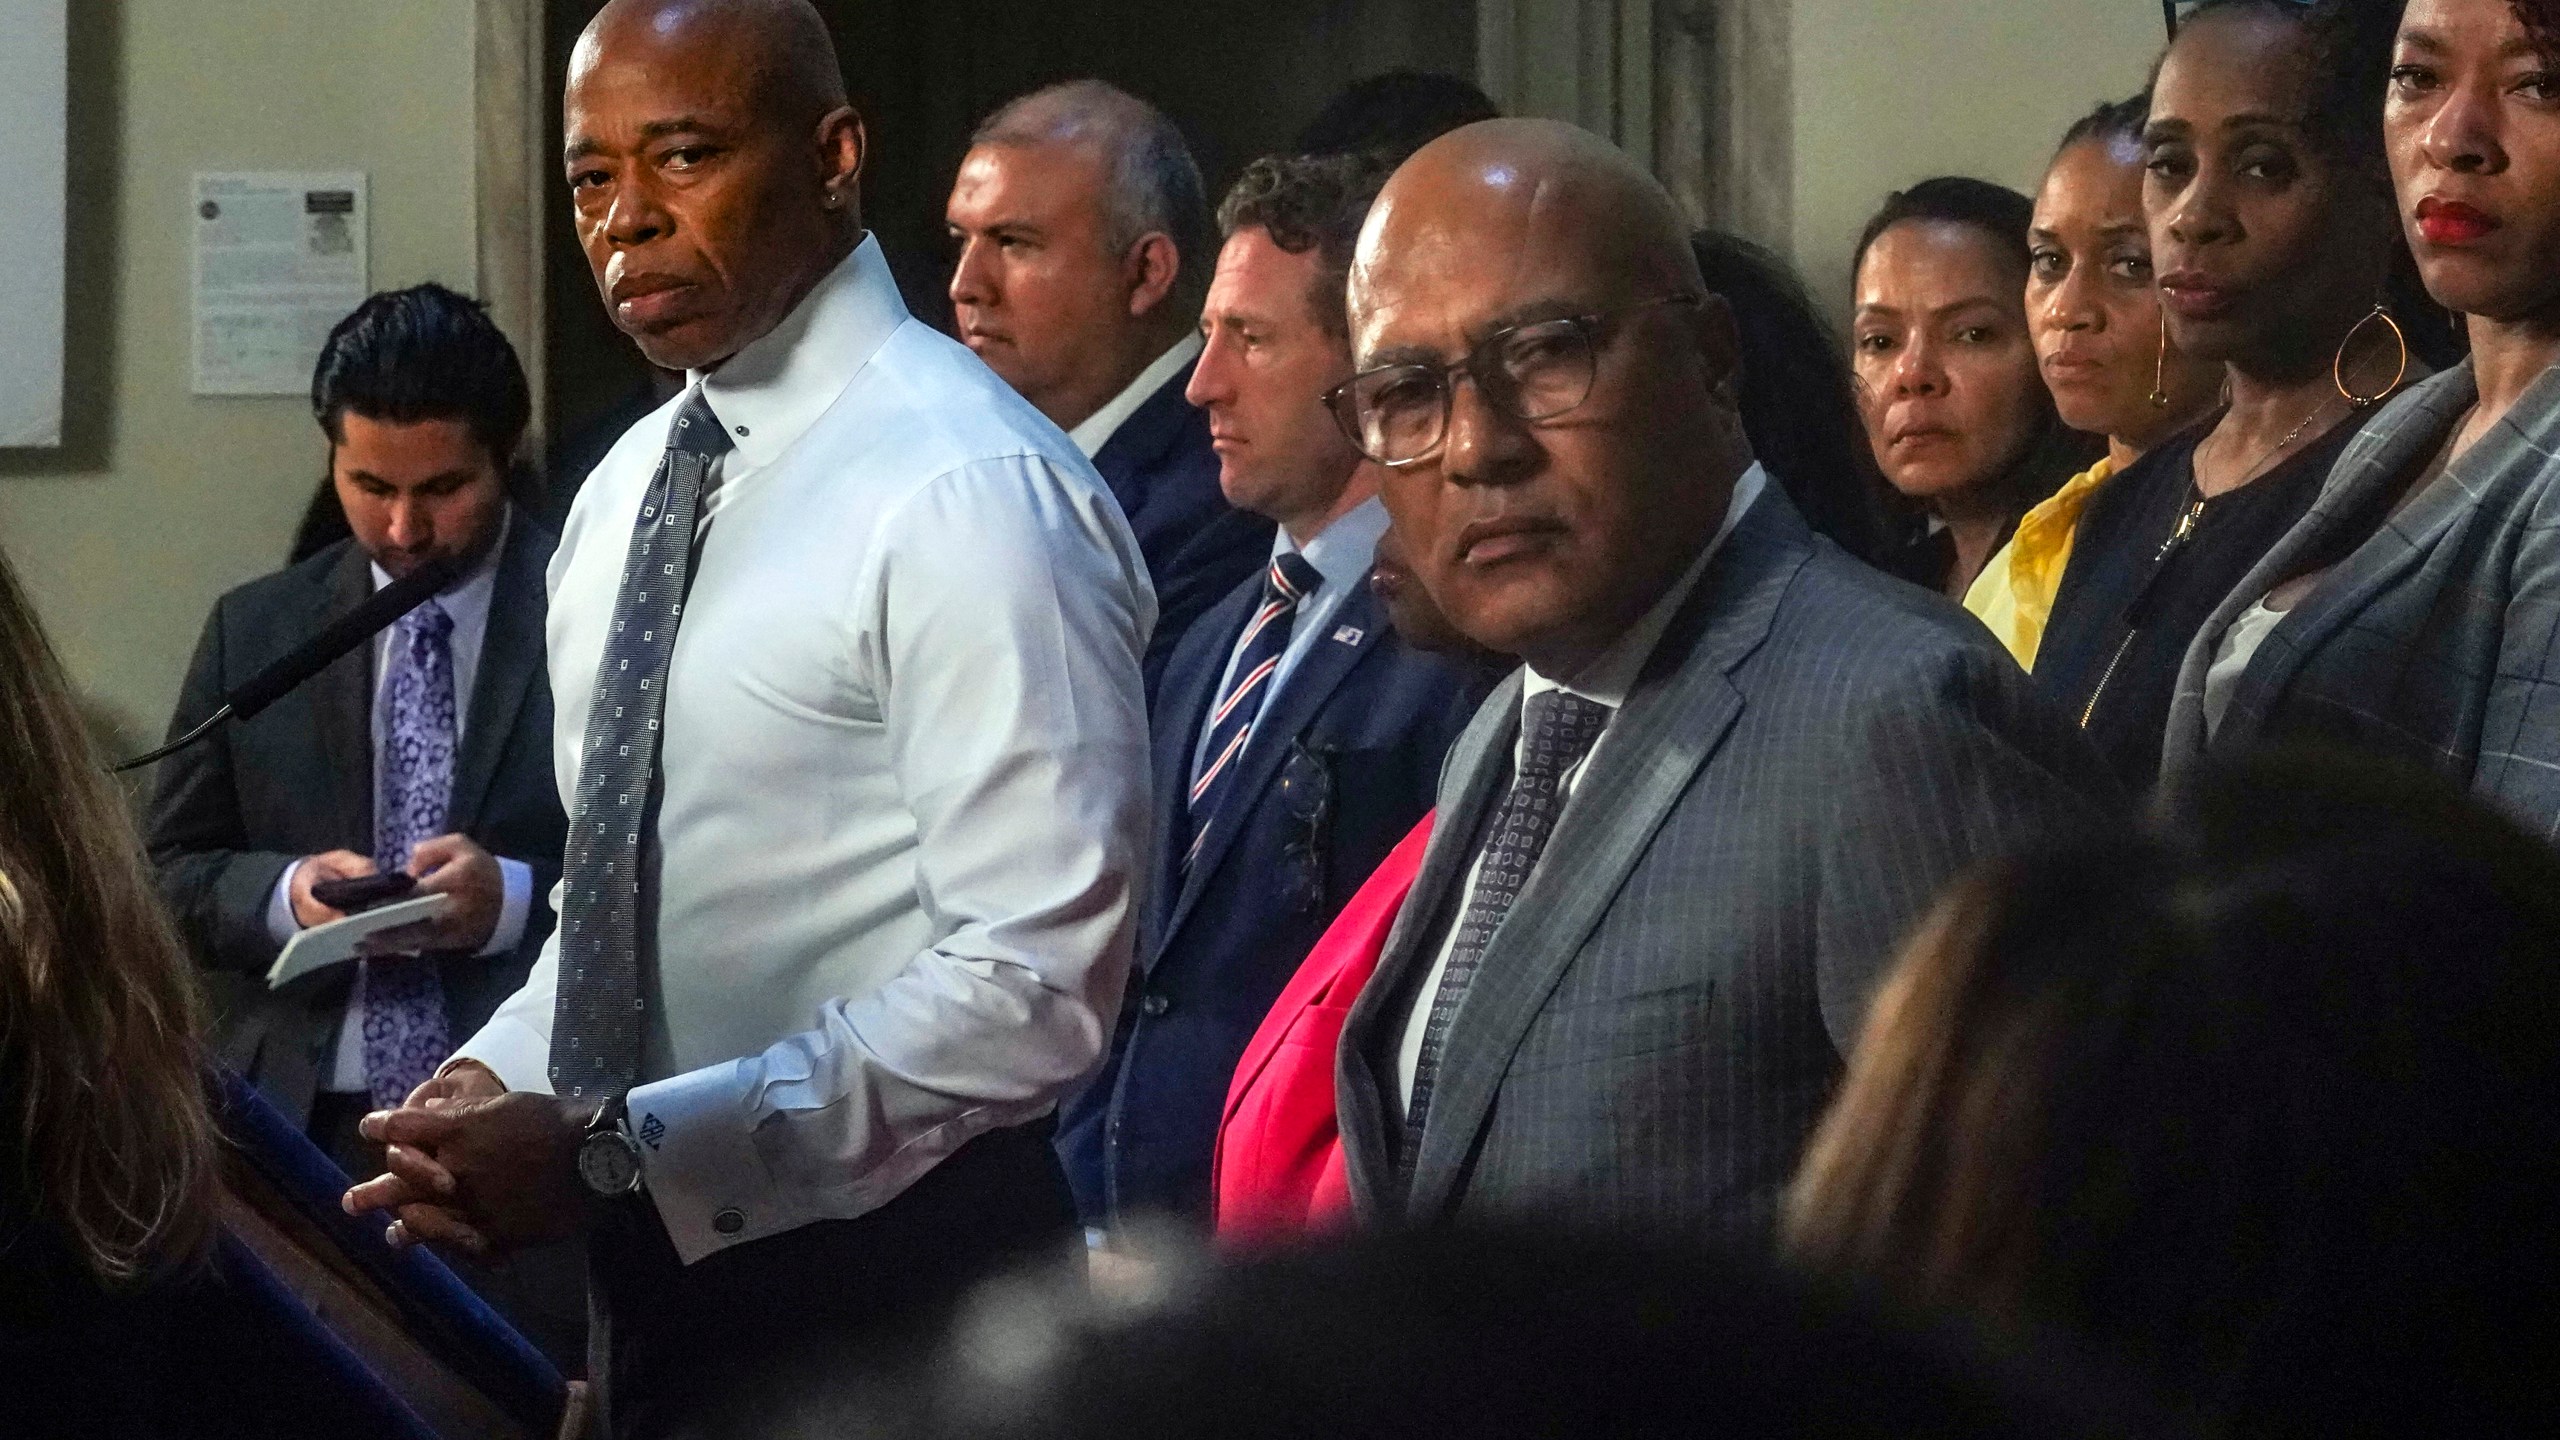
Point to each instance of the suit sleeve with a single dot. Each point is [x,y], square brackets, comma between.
[1956,762]
[2519,765]
[1000,633]
[216,885]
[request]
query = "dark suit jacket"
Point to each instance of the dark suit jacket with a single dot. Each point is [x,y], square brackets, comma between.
[1198,547]
[234,811]
[2437,637]
[1339,767]
[1812,751]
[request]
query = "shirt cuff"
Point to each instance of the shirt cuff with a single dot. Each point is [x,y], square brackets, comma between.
[281,926]
[699,1161]
[515,1052]
[512,911]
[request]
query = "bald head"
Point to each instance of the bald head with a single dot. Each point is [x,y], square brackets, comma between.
[1517,188]
[714,164]
[780,47]
[1552,497]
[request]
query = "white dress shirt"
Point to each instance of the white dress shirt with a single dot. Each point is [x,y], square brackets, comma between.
[1095,430]
[467,602]
[1608,680]
[903,773]
[1342,553]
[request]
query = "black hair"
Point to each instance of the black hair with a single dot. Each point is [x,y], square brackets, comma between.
[424,353]
[2110,120]
[1393,115]
[1799,406]
[1309,203]
[1995,210]
[1490,1335]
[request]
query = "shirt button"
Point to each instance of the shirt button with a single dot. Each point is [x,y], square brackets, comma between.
[729,1222]
[1154,1005]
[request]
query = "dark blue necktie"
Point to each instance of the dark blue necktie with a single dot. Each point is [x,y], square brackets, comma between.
[1561,728]
[1285,586]
[595,1025]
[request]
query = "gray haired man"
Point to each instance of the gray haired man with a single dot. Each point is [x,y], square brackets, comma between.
[1084,245]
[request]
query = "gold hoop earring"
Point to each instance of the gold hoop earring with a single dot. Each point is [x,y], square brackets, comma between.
[2160,367]
[2338,363]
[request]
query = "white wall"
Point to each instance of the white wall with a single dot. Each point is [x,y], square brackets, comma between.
[1887,92]
[31,176]
[125,538]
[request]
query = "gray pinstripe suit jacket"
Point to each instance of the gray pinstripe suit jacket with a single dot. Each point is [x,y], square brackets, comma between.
[1812,751]
[2438,638]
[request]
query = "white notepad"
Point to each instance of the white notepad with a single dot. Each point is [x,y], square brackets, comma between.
[322,946]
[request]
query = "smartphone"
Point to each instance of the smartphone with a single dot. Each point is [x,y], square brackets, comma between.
[363,892]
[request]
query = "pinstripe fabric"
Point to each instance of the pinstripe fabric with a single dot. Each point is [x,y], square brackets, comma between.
[1812,752]
[2438,638]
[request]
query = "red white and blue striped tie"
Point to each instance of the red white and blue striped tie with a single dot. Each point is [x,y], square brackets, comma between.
[1288,582]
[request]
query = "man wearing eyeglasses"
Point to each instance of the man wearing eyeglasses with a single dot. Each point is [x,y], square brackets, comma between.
[1676,850]
[1296,738]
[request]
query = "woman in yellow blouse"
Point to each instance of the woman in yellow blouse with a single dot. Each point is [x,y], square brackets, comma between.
[2095,318]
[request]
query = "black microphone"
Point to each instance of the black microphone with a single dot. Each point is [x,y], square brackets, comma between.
[314,655]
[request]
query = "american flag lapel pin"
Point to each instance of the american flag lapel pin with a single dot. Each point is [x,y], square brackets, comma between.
[1348,634]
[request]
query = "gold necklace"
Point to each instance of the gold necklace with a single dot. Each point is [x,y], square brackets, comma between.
[2259,466]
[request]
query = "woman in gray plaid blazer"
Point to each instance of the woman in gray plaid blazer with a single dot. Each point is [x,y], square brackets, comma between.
[2416,608]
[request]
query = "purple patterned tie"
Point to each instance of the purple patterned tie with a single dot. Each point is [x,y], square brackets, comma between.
[401,998]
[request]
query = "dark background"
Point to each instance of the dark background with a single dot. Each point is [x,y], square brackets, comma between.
[1239,77]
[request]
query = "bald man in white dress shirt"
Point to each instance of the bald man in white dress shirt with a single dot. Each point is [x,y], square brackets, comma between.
[856,778]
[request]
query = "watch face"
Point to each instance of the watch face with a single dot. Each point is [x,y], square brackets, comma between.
[609,1163]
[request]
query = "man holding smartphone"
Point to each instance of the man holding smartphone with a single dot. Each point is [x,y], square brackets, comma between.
[426,754]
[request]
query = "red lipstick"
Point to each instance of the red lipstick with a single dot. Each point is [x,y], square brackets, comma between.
[2450,222]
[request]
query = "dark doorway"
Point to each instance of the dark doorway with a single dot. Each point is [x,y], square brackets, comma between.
[1239,76]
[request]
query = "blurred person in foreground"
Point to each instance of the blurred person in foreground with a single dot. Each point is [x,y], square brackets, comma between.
[107,1151]
[1084,249]
[2415,611]
[847,647]
[2093,311]
[1959,419]
[1673,852]
[1513,1334]
[2257,1098]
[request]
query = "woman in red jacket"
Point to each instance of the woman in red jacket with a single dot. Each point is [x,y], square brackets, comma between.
[1279,1168]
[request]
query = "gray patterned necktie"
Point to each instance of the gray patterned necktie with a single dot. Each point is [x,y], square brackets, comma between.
[595,1025]
[1561,728]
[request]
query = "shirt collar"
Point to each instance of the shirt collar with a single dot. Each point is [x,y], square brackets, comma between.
[772,391]
[1341,552]
[467,600]
[1096,429]
[1610,678]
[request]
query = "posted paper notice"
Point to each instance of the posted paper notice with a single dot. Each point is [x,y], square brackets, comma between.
[279,259]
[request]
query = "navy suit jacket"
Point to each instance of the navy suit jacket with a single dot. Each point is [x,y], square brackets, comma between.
[1339,768]
[232,812]
[1198,547]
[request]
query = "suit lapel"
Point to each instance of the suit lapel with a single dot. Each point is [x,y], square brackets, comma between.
[1190,688]
[1677,716]
[1358,626]
[2352,491]
[1478,770]
[1141,441]
[510,654]
[342,706]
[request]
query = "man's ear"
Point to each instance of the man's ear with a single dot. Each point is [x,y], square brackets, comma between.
[1719,341]
[843,146]
[1150,270]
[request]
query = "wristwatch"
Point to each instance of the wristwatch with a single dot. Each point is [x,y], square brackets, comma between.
[609,1159]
